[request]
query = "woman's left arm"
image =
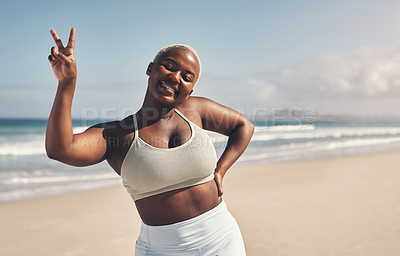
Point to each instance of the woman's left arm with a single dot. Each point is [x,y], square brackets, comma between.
[218,118]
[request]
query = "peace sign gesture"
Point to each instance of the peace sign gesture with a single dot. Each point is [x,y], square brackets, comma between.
[62,59]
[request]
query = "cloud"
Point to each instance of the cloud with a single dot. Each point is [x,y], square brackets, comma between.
[236,91]
[364,73]
[365,81]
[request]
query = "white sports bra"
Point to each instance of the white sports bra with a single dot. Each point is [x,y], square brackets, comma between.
[148,170]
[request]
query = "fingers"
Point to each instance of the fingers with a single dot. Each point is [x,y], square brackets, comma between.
[71,41]
[63,58]
[220,191]
[56,39]
[54,52]
[218,181]
[57,55]
[51,60]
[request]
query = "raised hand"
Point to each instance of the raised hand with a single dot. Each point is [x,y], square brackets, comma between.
[62,59]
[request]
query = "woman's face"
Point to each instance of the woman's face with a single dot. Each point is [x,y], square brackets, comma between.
[172,77]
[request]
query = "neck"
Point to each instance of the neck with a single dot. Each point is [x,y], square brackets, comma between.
[151,111]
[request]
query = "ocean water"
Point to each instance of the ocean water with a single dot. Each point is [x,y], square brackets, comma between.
[26,172]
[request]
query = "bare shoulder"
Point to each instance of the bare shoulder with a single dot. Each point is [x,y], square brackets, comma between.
[214,116]
[194,108]
[117,128]
[198,100]
[114,133]
[204,106]
[198,104]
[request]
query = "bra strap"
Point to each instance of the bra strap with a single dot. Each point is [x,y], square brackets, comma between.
[180,113]
[136,127]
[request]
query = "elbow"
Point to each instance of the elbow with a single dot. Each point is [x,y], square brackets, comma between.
[52,154]
[246,129]
[54,150]
[250,127]
[55,153]
[50,151]
[58,156]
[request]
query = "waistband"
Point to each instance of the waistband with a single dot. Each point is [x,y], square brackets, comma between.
[198,230]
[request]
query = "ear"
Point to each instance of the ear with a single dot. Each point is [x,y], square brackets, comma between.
[149,68]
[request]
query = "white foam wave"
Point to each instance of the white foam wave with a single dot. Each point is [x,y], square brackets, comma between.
[19,194]
[30,146]
[285,128]
[296,150]
[35,145]
[360,142]
[54,179]
[328,133]
[25,148]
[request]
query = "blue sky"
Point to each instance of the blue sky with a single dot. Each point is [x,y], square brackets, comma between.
[339,57]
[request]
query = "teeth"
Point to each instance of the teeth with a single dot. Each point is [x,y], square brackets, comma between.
[167,86]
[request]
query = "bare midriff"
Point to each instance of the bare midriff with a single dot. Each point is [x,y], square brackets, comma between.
[178,205]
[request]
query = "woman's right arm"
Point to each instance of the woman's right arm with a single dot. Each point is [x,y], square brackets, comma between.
[82,149]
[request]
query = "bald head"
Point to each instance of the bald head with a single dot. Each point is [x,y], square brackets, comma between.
[165,50]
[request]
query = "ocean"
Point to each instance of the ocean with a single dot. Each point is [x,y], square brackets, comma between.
[26,172]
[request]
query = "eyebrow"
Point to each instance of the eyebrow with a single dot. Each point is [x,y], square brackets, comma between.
[169,59]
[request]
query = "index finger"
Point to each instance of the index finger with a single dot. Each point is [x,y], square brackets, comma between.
[71,41]
[56,39]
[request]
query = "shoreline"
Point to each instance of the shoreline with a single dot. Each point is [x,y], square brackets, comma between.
[334,206]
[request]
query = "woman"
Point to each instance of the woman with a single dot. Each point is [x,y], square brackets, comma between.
[162,153]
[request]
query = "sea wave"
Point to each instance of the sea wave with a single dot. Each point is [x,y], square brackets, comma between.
[29,145]
[19,194]
[26,148]
[297,150]
[285,128]
[35,145]
[328,133]
[56,179]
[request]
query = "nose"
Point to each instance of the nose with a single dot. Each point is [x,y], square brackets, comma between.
[174,76]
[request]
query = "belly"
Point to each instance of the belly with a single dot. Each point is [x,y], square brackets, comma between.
[178,205]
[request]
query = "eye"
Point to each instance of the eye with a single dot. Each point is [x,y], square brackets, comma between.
[187,78]
[168,67]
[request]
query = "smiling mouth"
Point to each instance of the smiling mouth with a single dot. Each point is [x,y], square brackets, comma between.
[168,87]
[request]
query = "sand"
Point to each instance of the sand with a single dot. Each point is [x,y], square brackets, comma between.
[342,206]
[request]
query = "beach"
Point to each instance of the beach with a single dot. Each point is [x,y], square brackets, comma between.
[337,206]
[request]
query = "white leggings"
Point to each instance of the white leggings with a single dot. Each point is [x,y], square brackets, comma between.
[212,233]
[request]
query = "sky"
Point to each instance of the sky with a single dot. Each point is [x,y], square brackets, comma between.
[337,57]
